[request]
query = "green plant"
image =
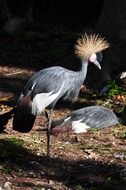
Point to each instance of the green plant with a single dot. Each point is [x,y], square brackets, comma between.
[123,135]
[10,148]
[115,89]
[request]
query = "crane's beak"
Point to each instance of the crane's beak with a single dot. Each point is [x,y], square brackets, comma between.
[97,64]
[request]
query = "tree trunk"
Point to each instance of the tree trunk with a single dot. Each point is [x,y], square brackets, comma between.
[112,24]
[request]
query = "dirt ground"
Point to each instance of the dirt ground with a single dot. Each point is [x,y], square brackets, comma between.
[95,160]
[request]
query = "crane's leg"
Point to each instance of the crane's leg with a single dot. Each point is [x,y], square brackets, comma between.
[48,132]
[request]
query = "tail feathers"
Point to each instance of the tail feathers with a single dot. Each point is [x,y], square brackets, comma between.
[23,120]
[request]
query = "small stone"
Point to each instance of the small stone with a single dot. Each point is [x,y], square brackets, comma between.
[1,188]
[7,185]
[32,174]
[42,173]
[51,182]
[34,163]
[113,143]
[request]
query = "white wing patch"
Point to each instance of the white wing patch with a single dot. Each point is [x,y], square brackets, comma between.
[42,100]
[79,127]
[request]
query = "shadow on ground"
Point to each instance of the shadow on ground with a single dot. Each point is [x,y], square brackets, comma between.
[81,174]
[85,174]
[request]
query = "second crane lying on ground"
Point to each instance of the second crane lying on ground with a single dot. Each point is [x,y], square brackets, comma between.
[84,119]
[48,85]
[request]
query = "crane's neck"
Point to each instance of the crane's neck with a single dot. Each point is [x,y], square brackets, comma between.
[83,71]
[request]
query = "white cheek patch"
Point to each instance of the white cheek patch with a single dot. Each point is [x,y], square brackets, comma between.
[79,127]
[42,100]
[92,58]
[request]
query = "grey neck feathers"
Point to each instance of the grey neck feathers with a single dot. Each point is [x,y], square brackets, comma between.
[83,71]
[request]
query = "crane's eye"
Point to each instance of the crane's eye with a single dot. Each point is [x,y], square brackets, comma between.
[99,56]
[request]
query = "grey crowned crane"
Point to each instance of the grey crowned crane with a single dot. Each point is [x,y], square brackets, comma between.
[84,119]
[48,85]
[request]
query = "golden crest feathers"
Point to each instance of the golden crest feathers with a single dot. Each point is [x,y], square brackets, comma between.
[89,44]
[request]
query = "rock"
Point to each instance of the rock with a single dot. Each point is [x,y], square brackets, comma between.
[7,185]
[1,188]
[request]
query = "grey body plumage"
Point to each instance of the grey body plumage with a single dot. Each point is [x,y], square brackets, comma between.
[51,79]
